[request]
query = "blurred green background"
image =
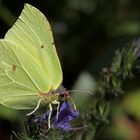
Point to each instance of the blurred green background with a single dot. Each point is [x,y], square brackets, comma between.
[86,34]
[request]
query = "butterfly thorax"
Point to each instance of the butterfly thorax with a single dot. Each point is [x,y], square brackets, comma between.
[48,97]
[58,95]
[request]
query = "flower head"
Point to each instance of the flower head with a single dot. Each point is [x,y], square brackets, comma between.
[65,115]
[59,120]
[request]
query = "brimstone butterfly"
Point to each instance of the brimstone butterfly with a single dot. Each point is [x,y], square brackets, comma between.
[30,71]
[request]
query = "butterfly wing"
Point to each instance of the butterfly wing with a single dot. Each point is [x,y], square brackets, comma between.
[22,77]
[33,32]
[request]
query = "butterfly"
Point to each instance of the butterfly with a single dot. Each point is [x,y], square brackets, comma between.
[30,70]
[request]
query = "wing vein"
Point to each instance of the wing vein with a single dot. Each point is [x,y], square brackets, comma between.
[30,27]
[13,81]
[25,70]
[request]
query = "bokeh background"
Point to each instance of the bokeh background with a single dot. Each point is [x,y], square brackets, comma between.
[86,34]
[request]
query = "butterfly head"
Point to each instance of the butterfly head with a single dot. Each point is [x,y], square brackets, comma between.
[63,93]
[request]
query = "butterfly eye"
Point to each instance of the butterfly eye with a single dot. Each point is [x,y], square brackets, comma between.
[13,67]
[61,95]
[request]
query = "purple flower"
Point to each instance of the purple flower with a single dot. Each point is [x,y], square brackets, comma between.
[65,115]
[61,121]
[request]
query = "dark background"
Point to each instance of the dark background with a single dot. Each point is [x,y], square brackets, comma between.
[86,32]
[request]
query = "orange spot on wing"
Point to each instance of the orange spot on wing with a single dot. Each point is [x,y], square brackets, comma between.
[14,67]
[42,46]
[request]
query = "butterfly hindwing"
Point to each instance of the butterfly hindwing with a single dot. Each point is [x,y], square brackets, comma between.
[22,78]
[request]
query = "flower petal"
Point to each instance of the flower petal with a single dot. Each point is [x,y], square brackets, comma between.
[66,115]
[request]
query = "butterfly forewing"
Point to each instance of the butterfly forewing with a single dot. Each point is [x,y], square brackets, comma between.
[33,32]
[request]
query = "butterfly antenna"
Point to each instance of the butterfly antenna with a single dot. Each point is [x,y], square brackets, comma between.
[74,106]
[82,91]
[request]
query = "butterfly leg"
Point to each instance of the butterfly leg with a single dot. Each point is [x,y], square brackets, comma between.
[49,118]
[38,104]
[58,106]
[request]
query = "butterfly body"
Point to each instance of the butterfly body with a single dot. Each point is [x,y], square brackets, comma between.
[30,71]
